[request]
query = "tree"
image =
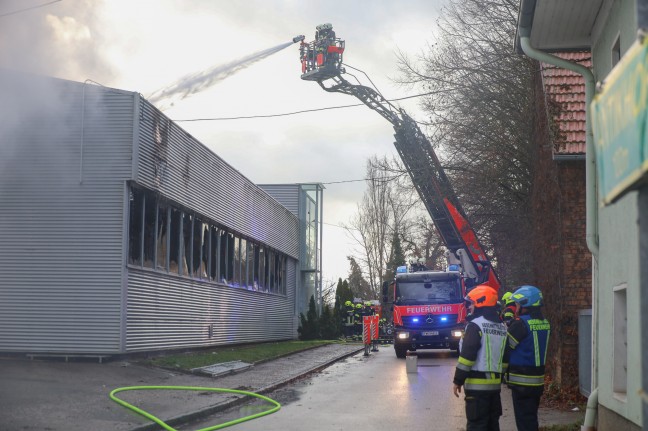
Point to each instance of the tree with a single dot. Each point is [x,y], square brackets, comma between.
[309,325]
[330,329]
[357,283]
[480,114]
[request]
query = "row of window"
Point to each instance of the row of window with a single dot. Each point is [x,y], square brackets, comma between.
[165,238]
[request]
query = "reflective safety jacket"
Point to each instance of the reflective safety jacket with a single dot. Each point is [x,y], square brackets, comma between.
[481,349]
[528,338]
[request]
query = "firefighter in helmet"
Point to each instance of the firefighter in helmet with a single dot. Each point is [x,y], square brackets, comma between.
[480,361]
[508,308]
[357,320]
[528,338]
[348,318]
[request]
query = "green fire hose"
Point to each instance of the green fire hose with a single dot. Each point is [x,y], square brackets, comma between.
[160,422]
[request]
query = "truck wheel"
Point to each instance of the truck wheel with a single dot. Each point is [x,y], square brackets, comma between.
[401,351]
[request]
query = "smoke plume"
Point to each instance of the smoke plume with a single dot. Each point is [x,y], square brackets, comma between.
[196,82]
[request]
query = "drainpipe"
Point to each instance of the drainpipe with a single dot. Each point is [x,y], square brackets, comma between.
[524,31]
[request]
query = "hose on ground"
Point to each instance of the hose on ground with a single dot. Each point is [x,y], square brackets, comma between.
[160,422]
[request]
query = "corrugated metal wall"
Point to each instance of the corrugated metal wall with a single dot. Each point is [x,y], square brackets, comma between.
[184,170]
[61,254]
[166,311]
[286,194]
[67,151]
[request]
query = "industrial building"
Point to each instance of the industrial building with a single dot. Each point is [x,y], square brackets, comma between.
[122,233]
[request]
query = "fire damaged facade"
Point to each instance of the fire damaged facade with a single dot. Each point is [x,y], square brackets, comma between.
[122,233]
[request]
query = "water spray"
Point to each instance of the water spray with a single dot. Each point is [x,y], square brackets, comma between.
[199,81]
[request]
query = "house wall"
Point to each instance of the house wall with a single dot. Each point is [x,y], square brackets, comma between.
[618,263]
[562,263]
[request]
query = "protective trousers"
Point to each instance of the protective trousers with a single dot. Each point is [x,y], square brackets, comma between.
[526,400]
[483,409]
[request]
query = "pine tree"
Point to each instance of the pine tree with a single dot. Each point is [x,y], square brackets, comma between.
[309,325]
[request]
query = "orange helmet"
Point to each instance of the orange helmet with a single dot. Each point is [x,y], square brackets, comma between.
[482,296]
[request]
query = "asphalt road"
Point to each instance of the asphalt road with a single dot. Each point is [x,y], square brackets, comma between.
[372,393]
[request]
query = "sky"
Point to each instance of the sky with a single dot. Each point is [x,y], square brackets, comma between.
[144,46]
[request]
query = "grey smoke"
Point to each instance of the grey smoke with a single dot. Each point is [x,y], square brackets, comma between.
[199,81]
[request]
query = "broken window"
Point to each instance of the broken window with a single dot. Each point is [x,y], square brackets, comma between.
[261,269]
[271,271]
[215,255]
[175,238]
[236,261]
[135,231]
[244,266]
[150,221]
[186,249]
[200,253]
[162,238]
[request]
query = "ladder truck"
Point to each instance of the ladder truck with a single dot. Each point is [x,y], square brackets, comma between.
[428,310]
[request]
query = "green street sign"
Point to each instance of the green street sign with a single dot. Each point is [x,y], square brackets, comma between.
[619,115]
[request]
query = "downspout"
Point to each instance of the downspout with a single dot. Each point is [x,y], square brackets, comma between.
[524,31]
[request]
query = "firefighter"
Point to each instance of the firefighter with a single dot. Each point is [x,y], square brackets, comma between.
[508,308]
[357,319]
[479,368]
[348,318]
[528,338]
[368,311]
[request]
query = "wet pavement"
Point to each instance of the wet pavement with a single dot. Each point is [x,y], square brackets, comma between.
[52,395]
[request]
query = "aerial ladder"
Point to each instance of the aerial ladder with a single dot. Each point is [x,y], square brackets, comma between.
[322,62]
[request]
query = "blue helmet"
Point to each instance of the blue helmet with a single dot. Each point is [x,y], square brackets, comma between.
[528,296]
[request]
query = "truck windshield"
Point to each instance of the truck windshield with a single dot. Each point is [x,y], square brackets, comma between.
[432,292]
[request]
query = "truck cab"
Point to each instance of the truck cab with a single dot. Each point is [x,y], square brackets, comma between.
[428,309]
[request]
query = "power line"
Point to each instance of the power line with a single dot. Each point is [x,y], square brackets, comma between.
[29,8]
[299,112]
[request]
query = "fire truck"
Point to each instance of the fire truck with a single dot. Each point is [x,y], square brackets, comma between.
[428,310]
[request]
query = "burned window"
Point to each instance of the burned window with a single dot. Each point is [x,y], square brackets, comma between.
[271,271]
[244,259]
[253,265]
[186,248]
[200,255]
[150,221]
[135,231]
[175,238]
[162,238]
[214,265]
[261,268]
[224,253]
[236,261]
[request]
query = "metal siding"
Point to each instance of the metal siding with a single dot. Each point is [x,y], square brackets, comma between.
[182,169]
[286,194]
[171,312]
[61,240]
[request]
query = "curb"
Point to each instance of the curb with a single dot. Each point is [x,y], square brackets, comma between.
[199,414]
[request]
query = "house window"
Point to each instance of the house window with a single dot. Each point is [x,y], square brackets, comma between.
[616,51]
[620,339]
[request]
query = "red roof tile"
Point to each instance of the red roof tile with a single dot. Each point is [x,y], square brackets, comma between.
[565,99]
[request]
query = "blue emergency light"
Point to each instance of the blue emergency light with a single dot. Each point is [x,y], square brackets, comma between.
[444,318]
[415,319]
[453,268]
[401,269]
